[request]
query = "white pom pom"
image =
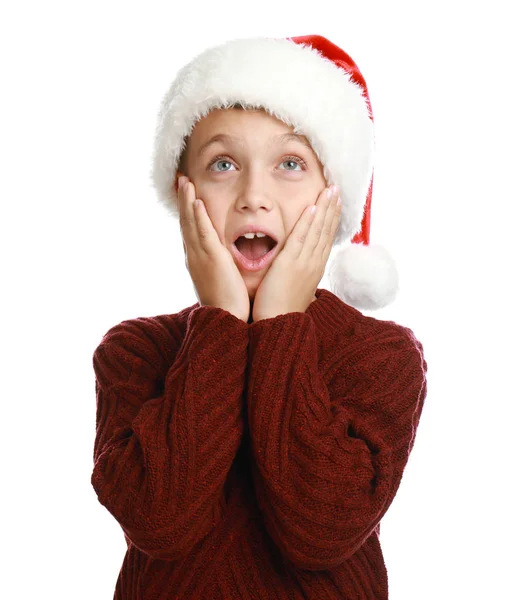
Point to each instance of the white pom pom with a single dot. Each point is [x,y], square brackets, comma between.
[363,276]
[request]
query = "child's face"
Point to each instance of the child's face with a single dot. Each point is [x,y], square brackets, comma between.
[252,181]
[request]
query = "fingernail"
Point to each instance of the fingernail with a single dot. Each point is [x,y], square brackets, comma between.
[329,192]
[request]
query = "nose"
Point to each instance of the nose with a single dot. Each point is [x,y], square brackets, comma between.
[253,193]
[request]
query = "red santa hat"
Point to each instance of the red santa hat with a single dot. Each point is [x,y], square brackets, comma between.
[312,85]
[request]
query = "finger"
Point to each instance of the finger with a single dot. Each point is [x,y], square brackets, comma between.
[315,231]
[188,216]
[183,216]
[325,238]
[326,226]
[297,238]
[202,232]
[179,191]
[335,223]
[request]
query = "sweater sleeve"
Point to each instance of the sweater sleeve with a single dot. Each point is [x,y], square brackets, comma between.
[166,436]
[330,447]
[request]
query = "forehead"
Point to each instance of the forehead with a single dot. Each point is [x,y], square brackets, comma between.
[235,124]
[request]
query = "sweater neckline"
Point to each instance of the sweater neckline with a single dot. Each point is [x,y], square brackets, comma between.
[329,312]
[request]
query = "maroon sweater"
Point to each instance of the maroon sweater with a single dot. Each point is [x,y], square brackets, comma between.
[256,460]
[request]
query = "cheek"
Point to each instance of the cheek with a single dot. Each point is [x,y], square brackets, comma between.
[292,216]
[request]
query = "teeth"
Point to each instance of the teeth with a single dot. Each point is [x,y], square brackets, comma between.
[250,236]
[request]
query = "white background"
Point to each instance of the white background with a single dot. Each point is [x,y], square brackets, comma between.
[85,246]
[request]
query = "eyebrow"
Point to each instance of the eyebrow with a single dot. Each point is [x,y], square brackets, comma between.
[279,139]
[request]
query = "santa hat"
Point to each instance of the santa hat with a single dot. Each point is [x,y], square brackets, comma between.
[312,85]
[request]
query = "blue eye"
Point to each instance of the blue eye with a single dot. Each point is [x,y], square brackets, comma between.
[294,159]
[220,159]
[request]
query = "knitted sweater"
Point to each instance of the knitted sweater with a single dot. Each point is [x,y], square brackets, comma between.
[247,461]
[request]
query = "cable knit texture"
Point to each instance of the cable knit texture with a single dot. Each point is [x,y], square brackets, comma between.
[247,461]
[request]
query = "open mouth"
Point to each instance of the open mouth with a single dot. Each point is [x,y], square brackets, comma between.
[256,248]
[255,254]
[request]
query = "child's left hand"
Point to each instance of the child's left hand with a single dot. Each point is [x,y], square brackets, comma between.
[295,273]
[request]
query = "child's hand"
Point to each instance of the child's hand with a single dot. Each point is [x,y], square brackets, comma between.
[216,278]
[291,281]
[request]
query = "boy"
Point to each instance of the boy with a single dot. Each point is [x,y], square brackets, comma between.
[250,444]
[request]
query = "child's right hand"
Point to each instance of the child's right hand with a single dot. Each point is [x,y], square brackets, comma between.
[216,278]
